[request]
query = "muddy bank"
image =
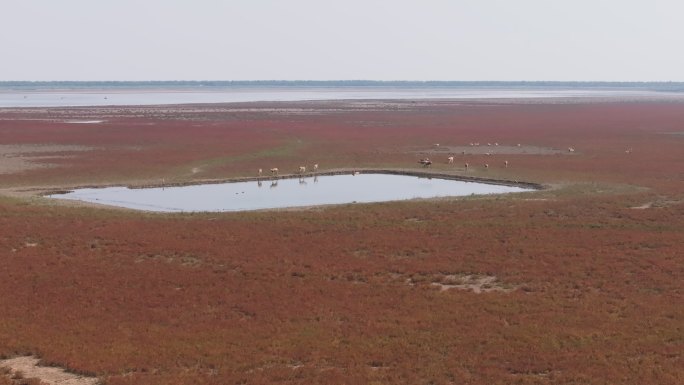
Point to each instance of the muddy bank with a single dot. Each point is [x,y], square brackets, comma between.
[15,158]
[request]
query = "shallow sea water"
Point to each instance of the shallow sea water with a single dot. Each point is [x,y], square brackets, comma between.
[284,193]
[139,96]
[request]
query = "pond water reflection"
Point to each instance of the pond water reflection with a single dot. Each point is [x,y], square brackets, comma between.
[283,193]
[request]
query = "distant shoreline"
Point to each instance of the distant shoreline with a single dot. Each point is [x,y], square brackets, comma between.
[101,94]
[185,84]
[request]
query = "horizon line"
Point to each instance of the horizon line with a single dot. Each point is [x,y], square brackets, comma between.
[347,80]
[357,82]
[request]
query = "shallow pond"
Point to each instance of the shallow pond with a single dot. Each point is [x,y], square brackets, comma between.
[282,193]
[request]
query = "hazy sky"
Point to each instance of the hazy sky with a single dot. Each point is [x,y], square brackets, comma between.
[621,40]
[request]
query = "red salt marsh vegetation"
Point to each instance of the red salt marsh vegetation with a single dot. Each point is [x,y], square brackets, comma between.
[580,283]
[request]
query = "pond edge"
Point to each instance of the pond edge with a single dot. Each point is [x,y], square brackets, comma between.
[416,173]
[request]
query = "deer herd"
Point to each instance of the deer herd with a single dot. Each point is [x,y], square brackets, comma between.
[274,171]
[425,162]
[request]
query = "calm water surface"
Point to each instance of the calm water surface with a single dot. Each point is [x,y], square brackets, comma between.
[282,193]
[118,97]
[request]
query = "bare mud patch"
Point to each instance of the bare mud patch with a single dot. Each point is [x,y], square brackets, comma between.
[28,367]
[646,205]
[415,220]
[15,158]
[84,121]
[477,283]
[656,204]
[187,260]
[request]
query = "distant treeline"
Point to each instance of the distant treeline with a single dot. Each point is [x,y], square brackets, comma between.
[653,86]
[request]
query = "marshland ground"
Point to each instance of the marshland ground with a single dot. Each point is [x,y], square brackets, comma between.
[579,283]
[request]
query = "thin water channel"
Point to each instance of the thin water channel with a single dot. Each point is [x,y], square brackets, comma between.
[284,193]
